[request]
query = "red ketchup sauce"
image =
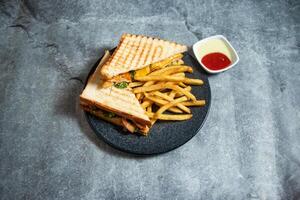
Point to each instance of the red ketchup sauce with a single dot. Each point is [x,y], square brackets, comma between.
[216,61]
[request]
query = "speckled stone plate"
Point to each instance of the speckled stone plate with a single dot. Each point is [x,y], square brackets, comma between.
[164,136]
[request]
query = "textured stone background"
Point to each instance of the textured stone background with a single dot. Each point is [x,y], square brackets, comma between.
[249,147]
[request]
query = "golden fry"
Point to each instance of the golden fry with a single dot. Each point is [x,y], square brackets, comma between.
[179,94]
[145,104]
[149,88]
[168,98]
[179,89]
[194,103]
[172,70]
[171,78]
[181,84]
[148,83]
[178,62]
[153,121]
[181,74]
[150,115]
[139,95]
[175,117]
[169,105]
[161,102]
[172,94]
[164,63]
[142,72]
[171,117]
[135,84]
[149,108]
[162,95]
[167,74]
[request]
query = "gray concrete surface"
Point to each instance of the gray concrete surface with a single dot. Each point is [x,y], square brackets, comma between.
[247,149]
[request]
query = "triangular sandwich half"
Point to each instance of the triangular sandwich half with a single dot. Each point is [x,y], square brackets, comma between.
[119,106]
[136,52]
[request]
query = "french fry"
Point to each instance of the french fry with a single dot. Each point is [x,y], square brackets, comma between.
[180,62]
[172,70]
[153,86]
[171,78]
[194,103]
[135,84]
[179,89]
[149,108]
[138,96]
[166,97]
[177,62]
[145,104]
[142,72]
[161,102]
[148,83]
[172,94]
[181,84]
[169,105]
[179,94]
[149,88]
[181,74]
[175,117]
[120,78]
[141,96]
[162,95]
[150,115]
[153,121]
[164,63]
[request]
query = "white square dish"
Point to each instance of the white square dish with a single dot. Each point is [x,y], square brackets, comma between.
[217,43]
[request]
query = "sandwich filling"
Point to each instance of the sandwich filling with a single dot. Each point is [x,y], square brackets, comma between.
[128,124]
[131,75]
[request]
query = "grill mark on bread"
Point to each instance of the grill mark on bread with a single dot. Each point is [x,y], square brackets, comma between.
[107,64]
[154,53]
[148,52]
[123,48]
[161,50]
[134,49]
[125,44]
[135,53]
[141,54]
[131,42]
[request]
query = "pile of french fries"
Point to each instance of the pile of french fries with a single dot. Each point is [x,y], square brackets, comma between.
[163,86]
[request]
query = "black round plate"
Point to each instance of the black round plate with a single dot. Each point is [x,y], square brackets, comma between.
[164,136]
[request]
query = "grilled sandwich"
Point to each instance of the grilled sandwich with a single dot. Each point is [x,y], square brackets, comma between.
[106,94]
[136,52]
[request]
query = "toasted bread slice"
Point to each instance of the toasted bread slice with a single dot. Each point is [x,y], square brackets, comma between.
[122,102]
[136,52]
